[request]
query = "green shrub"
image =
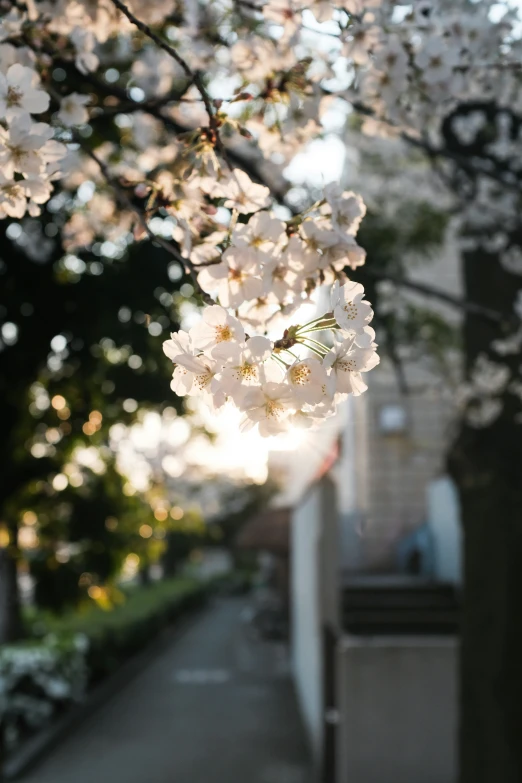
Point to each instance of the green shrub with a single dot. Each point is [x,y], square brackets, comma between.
[117,634]
[37,681]
[42,677]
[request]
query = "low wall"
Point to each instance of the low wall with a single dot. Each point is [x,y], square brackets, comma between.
[398,714]
[306,617]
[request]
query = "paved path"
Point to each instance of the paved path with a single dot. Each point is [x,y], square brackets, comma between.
[215,707]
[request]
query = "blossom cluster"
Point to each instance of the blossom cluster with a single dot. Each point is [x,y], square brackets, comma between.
[29,157]
[266,270]
[415,65]
[405,66]
[183,107]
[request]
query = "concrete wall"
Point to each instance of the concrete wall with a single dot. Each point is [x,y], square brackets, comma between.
[306,645]
[314,600]
[398,710]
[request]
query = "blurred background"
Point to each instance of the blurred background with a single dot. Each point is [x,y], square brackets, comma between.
[244,573]
[180,601]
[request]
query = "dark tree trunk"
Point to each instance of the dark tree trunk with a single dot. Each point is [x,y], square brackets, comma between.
[486,464]
[11,625]
[491,653]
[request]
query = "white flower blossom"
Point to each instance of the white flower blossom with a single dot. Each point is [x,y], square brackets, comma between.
[261,235]
[72,110]
[235,279]
[24,195]
[348,209]
[242,365]
[18,93]
[216,326]
[308,380]
[351,310]
[178,344]
[347,362]
[436,60]
[21,146]
[242,194]
[198,375]
[268,406]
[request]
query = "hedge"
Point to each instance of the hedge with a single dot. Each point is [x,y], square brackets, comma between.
[41,677]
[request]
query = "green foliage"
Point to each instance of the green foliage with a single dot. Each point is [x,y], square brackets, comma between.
[423,227]
[416,232]
[114,634]
[38,680]
[87,355]
[99,525]
[416,227]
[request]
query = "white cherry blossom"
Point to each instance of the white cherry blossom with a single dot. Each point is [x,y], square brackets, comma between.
[308,380]
[346,362]
[242,194]
[280,280]
[268,406]
[72,110]
[436,60]
[18,93]
[178,345]
[201,378]
[261,235]
[317,237]
[351,310]
[234,279]
[21,144]
[216,326]
[24,195]
[242,365]
[348,209]
[346,253]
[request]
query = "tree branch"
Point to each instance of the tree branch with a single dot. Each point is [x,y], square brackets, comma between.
[194,76]
[395,358]
[154,109]
[123,196]
[436,293]
[438,152]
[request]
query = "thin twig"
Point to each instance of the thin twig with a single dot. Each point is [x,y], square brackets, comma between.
[436,293]
[194,76]
[154,109]
[437,152]
[141,215]
[400,374]
[250,5]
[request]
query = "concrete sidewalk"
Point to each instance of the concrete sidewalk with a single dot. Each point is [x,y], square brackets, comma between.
[215,707]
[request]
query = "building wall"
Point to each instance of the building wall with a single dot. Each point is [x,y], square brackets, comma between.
[306,620]
[393,470]
[399,465]
[398,706]
[314,601]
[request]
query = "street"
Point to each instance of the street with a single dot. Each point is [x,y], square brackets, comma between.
[217,706]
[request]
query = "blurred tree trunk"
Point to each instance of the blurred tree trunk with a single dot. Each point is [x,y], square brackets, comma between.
[11,625]
[486,464]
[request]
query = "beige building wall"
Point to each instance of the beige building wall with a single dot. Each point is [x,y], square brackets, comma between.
[399,465]
[395,468]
